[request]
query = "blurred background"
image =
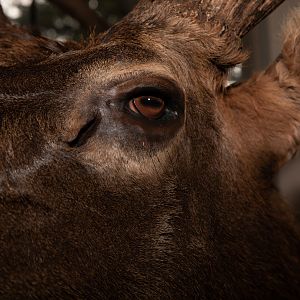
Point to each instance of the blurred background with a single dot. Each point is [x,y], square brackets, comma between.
[72,19]
[66,19]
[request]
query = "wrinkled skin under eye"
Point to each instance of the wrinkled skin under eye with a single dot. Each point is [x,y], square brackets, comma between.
[149,107]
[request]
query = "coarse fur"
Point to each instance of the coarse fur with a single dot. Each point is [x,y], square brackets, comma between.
[181,209]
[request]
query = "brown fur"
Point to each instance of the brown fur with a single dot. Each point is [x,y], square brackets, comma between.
[178,210]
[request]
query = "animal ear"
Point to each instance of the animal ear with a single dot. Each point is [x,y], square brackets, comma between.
[217,24]
[265,111]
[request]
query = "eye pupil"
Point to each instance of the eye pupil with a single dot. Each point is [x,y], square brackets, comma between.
[148,106]
[151,101]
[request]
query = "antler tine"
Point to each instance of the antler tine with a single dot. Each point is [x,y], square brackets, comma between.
[240,15]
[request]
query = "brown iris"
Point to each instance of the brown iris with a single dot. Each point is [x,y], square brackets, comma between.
[148,106]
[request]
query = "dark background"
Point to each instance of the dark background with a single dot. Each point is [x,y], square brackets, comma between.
[73,19]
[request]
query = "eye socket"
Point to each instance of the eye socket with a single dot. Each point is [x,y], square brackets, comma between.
[149,107]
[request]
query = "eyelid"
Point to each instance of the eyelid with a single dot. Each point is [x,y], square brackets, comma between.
[161,83]
[142,76]
[147,91]
[164,88]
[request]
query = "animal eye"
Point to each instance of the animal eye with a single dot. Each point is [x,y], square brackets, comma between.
[148,106]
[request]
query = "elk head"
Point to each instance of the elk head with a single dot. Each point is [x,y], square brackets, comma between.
[129,170]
